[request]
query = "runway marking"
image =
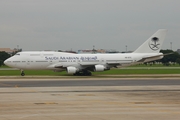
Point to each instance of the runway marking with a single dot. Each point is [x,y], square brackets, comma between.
[151,108]
[46,103]
[141,102]
[138,105]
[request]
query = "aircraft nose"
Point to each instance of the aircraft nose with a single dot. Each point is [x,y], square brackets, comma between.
[5,62]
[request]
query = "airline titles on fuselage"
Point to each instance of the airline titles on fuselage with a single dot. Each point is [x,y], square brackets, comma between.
[88,58]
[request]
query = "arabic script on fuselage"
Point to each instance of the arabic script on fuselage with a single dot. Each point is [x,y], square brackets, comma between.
[89,58]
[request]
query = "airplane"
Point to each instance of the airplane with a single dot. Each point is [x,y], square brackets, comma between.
[84,64]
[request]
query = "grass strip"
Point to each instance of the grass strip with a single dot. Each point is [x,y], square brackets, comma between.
[110,72]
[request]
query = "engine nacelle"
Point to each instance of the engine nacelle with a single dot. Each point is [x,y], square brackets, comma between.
[99,68]
[72,70]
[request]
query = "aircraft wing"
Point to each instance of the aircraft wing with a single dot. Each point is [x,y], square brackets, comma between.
[88,64]
[58,65]
[115,62]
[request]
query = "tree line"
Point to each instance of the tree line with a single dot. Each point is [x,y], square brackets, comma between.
[3,57]
[174,57]
[171,58]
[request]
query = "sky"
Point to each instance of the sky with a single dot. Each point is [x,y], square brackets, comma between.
[82,24]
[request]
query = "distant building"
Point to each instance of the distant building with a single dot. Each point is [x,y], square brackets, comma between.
[8,50]
[127,52]
[112,51]
[85,51]
[68,51]
[94,51]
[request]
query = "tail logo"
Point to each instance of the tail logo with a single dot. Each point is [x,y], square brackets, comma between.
[154,43]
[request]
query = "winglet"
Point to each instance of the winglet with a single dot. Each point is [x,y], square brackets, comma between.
[154,43]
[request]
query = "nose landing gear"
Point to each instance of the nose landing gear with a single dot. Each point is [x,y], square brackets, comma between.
[22,73]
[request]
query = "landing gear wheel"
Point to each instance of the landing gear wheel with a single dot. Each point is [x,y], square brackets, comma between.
[22,73]
[77,74]
[87,73]
[83,73]
[90,74]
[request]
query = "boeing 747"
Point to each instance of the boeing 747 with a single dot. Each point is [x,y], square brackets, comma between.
[84,64]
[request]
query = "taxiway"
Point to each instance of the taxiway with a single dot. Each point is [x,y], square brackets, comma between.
[97,99]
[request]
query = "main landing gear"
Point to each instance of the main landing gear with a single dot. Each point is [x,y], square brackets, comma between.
[22,73]
[83,73]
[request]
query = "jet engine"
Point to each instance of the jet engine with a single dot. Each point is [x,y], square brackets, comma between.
[99,68]
[72,70]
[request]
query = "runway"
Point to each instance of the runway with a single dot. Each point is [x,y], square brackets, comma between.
[97,99]
[94,82]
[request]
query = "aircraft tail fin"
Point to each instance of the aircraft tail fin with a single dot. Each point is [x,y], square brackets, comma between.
[154,43]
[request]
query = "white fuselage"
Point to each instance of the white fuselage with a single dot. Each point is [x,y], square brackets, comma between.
[60,60]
